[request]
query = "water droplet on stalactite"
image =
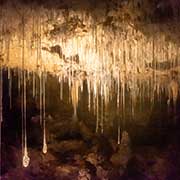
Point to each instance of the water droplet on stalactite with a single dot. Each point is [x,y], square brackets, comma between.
[26,159]
[44,150]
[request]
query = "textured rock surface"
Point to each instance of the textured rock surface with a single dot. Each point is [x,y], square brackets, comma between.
[75,151]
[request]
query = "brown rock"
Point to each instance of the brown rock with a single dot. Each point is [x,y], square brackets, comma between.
[68,146]
[65,170]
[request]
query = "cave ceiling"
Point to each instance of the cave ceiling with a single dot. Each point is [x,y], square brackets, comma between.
[140,34]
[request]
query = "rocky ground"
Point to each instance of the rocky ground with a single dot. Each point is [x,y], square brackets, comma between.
[75,152]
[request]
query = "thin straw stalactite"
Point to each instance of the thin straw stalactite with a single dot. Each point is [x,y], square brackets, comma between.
[44,113]
[26,158]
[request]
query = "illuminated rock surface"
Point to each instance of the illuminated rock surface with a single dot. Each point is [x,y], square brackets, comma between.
[80,80]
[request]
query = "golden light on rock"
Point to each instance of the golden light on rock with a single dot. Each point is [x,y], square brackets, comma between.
[80,50]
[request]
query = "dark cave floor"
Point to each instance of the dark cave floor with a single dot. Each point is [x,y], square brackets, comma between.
[99,158]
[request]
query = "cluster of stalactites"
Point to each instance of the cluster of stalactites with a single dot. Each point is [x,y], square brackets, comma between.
[112,63]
